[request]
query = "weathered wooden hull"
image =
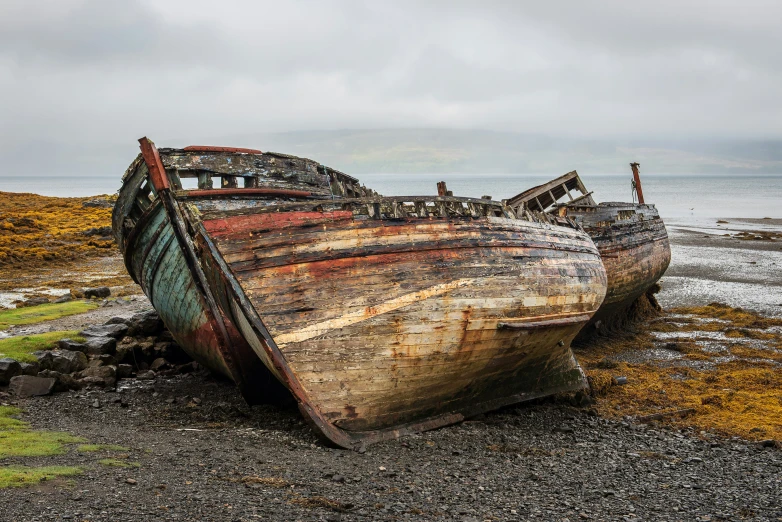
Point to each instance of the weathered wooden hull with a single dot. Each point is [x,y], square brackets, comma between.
[631,239]
[380,319]
[383,321]
[633,244]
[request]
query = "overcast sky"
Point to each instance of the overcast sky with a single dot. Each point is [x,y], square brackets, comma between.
[104,72]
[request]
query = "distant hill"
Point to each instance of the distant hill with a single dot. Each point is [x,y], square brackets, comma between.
[480,151]
[421,151]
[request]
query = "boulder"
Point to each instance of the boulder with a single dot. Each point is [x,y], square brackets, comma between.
[30,368]
[98,376]
[146,376]
[44,358]
[98,293]
[119,320]
[117,331]
[67,361]
[124,371]
[70,344]
[64,299]
[106,372]
[63,382]
[9,368]
[146,323]
[31,386]
[100,345]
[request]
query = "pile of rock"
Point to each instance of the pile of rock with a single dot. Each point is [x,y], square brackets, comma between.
[138,346]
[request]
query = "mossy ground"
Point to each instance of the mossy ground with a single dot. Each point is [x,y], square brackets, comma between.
[118,463]
[734,385]
[44,312]
[91,448]
[18,440]
[19,476]
[21,348]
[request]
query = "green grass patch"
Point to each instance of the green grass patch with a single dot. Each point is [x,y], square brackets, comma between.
[117,463]
[22,347]
[24,442]
[18,440]
[19,476]
[7,422]
[90,448]
[44,312]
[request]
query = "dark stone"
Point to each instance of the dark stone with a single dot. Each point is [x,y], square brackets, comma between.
[98,376]
[104,372]
[190,367]
[159,364]
[70,344]
[101,345]
[9,369]
[119,320]
[146,376]
[31,386]
[147,323]
[67,361]
[97,203]
[97,231]
[33,301]
[124,371]
[116,331]
[165,337]
[99,293]
[64,299]
[63,382]
[172,352]
[583,400]
[30,368]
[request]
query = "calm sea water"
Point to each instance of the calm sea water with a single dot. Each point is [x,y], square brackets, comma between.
[697,196]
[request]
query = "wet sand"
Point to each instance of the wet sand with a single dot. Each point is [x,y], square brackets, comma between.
[708,266]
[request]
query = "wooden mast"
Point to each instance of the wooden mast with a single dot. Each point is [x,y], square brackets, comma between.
[637,178]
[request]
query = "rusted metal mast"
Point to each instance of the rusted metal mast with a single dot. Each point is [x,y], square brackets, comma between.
[637,178]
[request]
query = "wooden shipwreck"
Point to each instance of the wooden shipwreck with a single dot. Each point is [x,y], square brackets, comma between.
[380,315]
[631,238]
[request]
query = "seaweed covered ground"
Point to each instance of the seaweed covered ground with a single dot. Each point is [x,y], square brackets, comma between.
[713,368]
[49,246]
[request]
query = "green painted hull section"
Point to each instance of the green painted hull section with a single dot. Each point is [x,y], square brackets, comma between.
[161,269]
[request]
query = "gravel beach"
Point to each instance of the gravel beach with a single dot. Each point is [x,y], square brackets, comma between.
[204,455]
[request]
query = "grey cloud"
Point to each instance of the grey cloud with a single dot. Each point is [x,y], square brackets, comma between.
[92,73]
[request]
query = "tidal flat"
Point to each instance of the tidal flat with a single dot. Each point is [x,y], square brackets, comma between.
[683,422]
